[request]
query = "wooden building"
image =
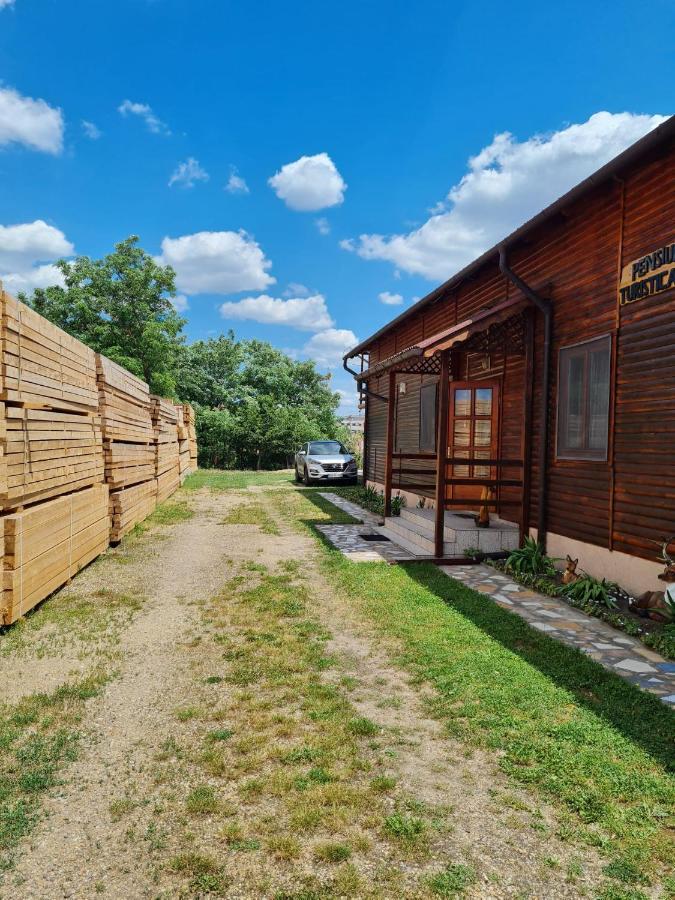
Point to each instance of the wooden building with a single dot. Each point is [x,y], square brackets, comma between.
[545,372]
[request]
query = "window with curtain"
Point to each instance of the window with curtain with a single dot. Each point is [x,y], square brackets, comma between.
[428,393]
[583,400]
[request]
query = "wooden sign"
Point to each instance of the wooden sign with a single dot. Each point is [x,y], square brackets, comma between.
[648,275]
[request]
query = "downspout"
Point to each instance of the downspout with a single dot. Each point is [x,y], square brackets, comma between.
[360,385]
[544,306]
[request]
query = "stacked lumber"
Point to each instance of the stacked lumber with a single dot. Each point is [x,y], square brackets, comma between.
[46,544]
[189,419]
[167,459]
[124,404]
[129,445]
[131,506]
[47,453]
[41,364]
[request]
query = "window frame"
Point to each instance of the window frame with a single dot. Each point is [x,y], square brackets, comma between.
[434,386]
[585,453]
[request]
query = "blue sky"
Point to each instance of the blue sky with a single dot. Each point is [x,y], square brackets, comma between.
[367,113]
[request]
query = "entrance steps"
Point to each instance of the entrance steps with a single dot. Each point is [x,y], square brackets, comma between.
[414,531]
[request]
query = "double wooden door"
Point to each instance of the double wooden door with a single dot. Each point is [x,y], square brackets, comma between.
[473,429]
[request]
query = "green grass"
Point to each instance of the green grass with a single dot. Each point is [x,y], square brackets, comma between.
[252,514]
[453,881]
[171,512]
[220,480]
[39,737]
[598,748]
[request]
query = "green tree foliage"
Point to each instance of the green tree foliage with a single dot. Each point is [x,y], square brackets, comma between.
[119,306]
[263,404]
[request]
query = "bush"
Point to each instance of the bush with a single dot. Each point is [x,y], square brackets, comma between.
[530,559]
[591,592]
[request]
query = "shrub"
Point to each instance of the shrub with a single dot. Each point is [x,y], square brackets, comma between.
[530,559]
[589,591]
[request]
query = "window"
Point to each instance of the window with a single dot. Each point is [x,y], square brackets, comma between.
[428,417]
[583,400]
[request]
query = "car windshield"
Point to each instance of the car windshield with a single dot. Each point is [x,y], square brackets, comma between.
[326,448]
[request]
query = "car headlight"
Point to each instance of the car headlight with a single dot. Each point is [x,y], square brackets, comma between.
[351,465]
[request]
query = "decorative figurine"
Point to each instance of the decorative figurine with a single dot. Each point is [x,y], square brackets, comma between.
[570,574]
[660,605]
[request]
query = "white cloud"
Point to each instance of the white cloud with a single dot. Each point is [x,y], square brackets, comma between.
[217,262]
[305,313]
[33,123]
[322,225]
[188,173]
[35,277]
[390,299]
[309,183]
[93,132]
[143,111]
[328,347]
[507,183]
[236,184]
[26,254]
[295,289]
[24,245]
[4,4]
[180,303]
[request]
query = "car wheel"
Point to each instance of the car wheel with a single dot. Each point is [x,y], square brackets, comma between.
[297,475]
[306,478]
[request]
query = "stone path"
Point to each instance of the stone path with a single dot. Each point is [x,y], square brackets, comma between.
[624,655]
[349,538]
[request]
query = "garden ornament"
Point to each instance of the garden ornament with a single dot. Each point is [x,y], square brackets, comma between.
[570,574]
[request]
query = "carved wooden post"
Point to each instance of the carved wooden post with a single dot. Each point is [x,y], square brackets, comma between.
[388,461]
[441,450]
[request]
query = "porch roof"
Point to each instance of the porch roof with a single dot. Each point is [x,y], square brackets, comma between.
[421,357]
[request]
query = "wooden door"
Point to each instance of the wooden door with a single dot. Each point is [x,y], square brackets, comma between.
[473,428]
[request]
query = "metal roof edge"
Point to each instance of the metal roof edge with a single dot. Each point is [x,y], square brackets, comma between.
[653,139]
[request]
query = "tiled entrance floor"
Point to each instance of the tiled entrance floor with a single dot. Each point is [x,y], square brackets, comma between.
[624,655]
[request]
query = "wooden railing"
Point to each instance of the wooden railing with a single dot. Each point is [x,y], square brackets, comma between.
[400,469]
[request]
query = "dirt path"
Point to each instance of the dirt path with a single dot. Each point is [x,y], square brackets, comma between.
[310,712]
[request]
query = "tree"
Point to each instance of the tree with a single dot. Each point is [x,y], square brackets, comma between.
[268,404]
[120,306]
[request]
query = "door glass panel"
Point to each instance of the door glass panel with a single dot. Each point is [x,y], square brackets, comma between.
[462,433]
[461,471]
[462,402]
[483,401]
[482,432]
[481,471]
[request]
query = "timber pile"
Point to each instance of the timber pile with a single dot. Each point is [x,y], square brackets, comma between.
[128,443]
[82,459]
[131,506]
[184,465]
[46,544]
[189,419]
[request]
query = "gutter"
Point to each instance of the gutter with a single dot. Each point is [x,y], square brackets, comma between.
[545,308]
[361,385]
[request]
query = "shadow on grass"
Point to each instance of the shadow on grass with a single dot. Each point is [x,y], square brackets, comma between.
[637,715]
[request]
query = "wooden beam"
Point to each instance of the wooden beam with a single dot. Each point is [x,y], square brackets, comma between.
[388,459]
[441,451]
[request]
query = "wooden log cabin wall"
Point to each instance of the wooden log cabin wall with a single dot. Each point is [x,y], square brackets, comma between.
[603,256]
[85,454]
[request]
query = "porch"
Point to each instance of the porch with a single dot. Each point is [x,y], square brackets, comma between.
[473,483]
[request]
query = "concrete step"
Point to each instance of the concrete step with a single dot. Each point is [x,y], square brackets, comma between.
[424,522]
[398,528]
[460,533]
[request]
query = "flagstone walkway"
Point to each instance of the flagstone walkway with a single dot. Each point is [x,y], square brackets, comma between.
[624,655]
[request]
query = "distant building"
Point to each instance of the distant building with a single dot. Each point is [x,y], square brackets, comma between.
[354,424]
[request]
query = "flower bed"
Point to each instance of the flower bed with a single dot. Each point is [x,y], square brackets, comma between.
[655,635]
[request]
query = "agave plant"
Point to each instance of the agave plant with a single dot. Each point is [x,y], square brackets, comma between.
[530,559]
[589,591]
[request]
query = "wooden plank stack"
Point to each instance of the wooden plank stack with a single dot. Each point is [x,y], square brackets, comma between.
[189,419]
[128,442]
[46,544]
[85,454]
[167,459]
